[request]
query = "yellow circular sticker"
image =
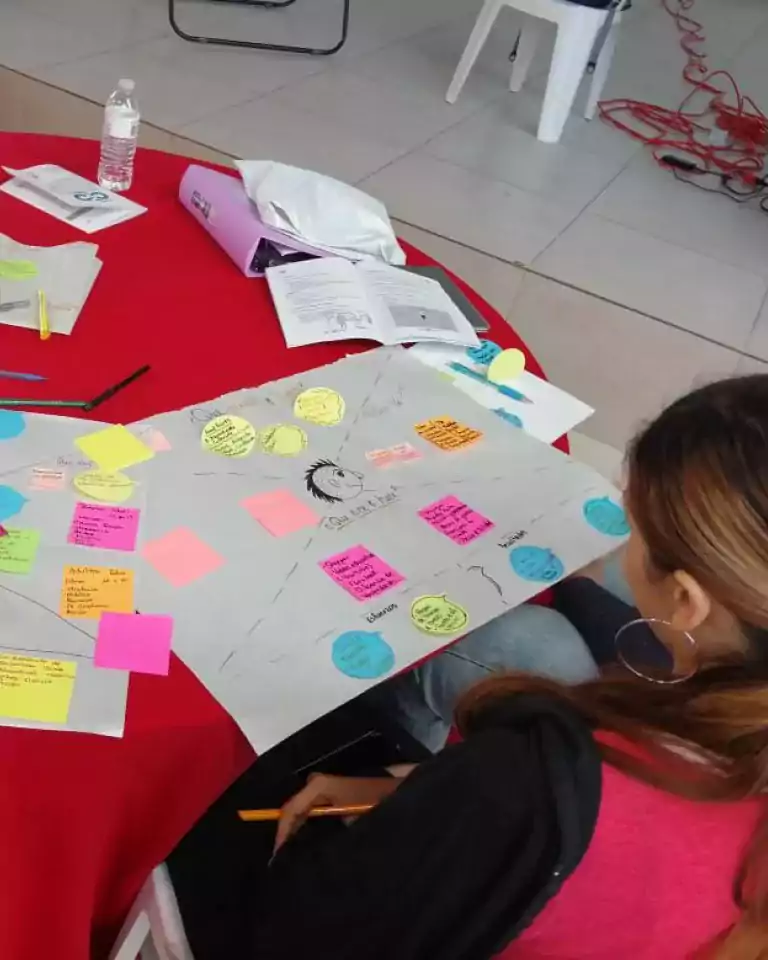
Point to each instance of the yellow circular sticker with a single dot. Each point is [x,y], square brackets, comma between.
[229,436]
[507,365]
[282,440]
[320,405]
[438,616]
[103,486]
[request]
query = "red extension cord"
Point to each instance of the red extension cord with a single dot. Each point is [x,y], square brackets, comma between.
[705,135]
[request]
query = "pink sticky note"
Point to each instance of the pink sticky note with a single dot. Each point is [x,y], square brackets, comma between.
[456,520]
[181,557]
[106,527]
[404,451]
[44,479]
[380,458]
[361,573]
[156,441]
[280,512]
[133,641]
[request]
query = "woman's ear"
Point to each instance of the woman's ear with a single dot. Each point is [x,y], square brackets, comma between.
[690,603]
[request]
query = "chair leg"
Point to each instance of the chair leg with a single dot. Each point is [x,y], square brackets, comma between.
[526,48]
[248,45]
[600,73]
[474,45]
[575,36]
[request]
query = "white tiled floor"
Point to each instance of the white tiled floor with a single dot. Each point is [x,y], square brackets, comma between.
[628,285]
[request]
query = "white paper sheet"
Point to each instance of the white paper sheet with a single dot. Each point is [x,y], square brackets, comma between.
[66,274]
[260,630]
[69,197]
[332,299]
[550,413]
[298,571]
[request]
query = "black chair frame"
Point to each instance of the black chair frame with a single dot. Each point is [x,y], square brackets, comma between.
[252,45]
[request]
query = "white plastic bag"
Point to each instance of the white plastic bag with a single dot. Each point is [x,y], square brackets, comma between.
[321,211]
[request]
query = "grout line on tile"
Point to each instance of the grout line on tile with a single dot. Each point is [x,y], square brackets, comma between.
[97,103]
[675,243]
[526,268]
[585,207]
[755,322]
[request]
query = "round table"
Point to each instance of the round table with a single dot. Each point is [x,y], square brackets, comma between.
[85,817]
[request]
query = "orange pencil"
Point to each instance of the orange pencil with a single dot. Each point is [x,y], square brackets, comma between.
[262,816]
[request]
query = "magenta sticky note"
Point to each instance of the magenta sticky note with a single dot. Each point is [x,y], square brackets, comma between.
[137,642]
[280,512]
[361,573]
[105,527]
[456,520]
[181,557]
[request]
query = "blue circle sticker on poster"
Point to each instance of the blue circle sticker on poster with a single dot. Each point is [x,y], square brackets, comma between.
[484,352]
[362,655]
[12,424]
[11,501]
[509,417]
[606,517]
[536,563]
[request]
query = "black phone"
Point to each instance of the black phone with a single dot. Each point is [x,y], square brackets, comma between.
[478,321]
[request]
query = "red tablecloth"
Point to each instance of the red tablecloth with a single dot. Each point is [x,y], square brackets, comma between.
[86,818]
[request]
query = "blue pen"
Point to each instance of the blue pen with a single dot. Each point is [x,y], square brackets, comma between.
[481,378]
[14,375]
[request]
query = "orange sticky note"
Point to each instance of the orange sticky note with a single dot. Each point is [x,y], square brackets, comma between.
[89,591]
[447,433]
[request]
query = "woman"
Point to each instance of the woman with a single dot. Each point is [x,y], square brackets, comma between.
[533,839]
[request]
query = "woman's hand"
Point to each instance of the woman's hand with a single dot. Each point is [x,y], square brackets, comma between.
[323,790]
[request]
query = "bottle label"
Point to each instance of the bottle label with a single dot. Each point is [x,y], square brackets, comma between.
[121,127]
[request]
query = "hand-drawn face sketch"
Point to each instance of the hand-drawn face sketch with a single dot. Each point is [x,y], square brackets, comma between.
[332,483]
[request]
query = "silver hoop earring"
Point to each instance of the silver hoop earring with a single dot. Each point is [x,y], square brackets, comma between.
[644,654]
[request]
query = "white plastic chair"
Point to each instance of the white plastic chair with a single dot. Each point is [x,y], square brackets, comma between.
[578,29]
[153,929]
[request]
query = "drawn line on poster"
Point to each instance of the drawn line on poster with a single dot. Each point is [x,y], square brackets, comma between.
[485,576]
[53,613]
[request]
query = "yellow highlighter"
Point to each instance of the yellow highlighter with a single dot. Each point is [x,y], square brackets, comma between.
[42,315]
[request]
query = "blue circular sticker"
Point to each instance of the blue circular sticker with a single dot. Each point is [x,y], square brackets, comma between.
[484,352]
[536,563]
[606,517]
[362,655]
[11,424]
[509,417]
[11,501]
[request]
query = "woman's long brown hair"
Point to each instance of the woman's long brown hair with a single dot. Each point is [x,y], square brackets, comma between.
[698,494]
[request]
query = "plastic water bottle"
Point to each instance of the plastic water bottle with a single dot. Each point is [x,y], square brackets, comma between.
[119,137]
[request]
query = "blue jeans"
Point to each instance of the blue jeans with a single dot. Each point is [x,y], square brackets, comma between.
[530,639]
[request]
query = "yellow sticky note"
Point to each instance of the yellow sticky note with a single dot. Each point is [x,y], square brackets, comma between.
[438,616]
[447,433]
[32,688]
[506,366]
[320,405]
[114,448]
[104,486]
[282,440]
[229,436]
[90,591]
